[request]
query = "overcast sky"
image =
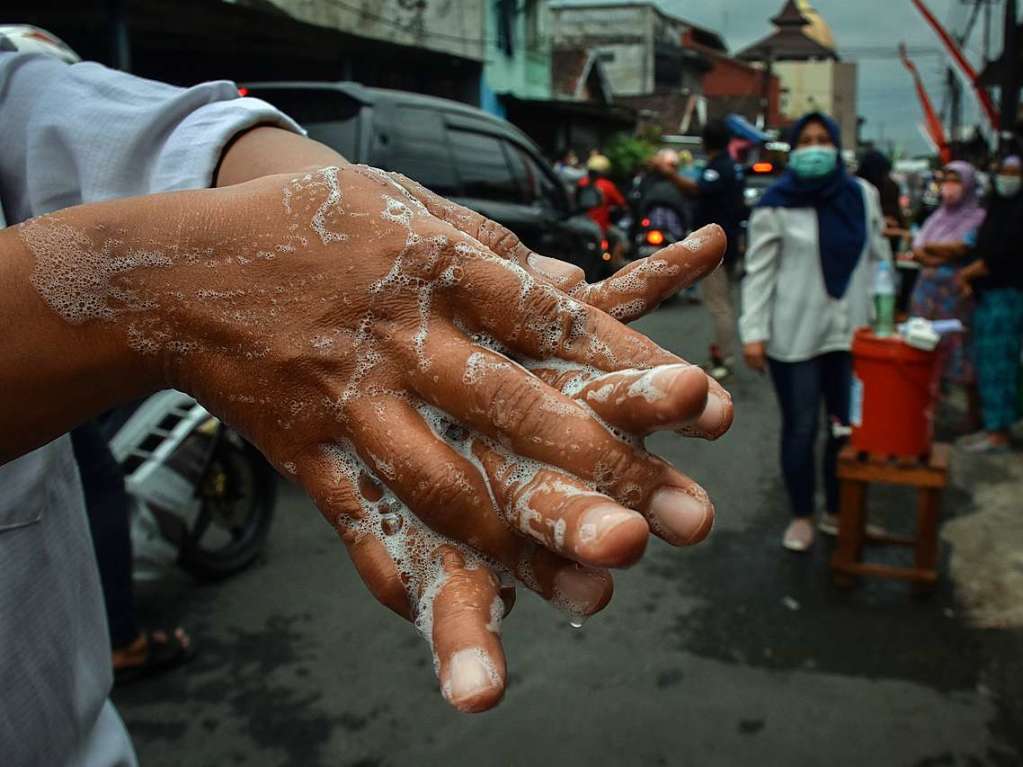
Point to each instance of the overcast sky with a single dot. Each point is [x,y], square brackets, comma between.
[887,98]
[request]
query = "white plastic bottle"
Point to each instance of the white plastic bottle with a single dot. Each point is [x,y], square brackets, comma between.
[884,299]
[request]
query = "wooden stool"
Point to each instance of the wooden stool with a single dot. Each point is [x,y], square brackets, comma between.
[854,473]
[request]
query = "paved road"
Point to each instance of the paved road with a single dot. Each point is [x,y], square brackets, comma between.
[732,653]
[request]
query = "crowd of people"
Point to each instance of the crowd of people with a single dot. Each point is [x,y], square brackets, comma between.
[812,246]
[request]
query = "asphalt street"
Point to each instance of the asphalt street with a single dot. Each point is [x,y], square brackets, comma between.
[733,652]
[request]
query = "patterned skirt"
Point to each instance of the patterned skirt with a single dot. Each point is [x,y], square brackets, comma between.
[936,297]
[997,336]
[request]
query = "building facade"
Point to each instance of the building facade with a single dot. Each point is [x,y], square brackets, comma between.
[644,54]
[517,60]
[435,48]
[801,52]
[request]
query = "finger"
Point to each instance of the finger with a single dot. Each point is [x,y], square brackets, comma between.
[637,401]
[562,513]
[627,295]
[465,625]
[347,499]
[639,287]
[681,403]
[630,293]
[493,236]
[489,393]
[377,526]
[440,485]
[577,590]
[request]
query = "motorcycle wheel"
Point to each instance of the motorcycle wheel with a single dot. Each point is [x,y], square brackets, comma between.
[238,494]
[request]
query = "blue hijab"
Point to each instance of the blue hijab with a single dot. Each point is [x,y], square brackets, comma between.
[838,200]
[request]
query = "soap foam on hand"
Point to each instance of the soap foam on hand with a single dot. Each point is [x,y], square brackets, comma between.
[82,280]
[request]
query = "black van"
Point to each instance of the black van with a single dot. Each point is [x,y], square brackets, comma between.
[458,151]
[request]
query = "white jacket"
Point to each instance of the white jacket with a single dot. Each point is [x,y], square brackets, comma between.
[784,301]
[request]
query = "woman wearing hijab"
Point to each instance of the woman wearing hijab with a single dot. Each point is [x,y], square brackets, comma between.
[996,279]
[940,246]
[814,241]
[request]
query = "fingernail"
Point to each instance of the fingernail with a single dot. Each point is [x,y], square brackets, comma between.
[596,522]
[470,674]
[663,377]
[714,415]
[553,267]
[679,516]
[578,590]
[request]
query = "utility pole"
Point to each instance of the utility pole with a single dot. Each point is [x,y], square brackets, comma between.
[987,31]
[1010,72]
[954,105]
[766,97]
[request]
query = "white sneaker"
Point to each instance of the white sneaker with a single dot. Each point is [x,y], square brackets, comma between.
[799,535]
[828,524]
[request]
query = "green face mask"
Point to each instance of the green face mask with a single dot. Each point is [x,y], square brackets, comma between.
[813,161]
[1006,185]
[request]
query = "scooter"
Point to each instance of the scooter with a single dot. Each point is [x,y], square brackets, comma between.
[649,239]
[202,497]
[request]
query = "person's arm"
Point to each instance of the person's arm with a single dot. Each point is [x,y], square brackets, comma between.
[938,253]
[324,316]
[966,275]
[758,286]
[268,150]
[684,184]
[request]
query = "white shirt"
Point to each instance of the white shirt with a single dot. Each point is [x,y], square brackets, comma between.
[784,301]
[69,135]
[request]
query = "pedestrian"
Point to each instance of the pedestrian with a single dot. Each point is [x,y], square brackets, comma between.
[718,195]
[876,168]
[995,278]
[602,200]
[943,247]
[225,260]
[814,242]
[659,199]
[137,652]
[569,169]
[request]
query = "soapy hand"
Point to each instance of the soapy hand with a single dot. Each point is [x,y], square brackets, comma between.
[465,413]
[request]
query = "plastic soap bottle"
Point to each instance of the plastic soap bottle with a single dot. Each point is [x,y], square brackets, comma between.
[884,300]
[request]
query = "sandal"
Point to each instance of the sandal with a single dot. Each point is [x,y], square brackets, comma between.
[163,652]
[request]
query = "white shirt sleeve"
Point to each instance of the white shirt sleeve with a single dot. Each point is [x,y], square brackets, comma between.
[84,133]
[758,286]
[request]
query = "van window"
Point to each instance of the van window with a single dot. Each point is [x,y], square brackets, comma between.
[539,188]
[415,145]
[330,117]
[483,166]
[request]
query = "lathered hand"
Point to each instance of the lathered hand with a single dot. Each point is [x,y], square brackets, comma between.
[460,418]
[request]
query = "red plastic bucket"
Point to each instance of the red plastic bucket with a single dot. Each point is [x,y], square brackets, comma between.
[892,403]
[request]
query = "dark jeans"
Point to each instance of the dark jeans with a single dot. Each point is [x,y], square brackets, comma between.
[106,503]
[800,387]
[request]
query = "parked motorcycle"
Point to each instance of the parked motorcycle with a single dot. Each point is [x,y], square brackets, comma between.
[202,497]
[650,237]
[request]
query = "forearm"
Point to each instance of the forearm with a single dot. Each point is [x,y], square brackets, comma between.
[72,301]
[977,269]
[685,185]
[945,252]
[267,151]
